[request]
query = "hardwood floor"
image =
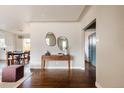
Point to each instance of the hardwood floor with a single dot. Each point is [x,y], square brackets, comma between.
[59,78]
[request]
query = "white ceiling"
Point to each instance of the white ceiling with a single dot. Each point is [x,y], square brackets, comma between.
[13,17]
[56,13]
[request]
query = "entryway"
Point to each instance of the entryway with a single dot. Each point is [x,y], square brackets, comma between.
[90,48]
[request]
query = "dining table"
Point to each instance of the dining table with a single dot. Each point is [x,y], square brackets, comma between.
[14,56]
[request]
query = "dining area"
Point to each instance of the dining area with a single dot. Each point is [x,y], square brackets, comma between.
[17,57]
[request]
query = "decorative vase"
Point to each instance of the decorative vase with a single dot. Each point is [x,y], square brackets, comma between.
[47,53]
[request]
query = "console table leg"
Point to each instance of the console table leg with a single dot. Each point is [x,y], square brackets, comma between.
[69,64]
[43,64]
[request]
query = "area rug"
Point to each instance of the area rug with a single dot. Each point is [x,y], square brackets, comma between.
[14,84]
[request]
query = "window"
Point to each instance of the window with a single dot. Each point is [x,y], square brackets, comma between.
[26,44]
[2,43]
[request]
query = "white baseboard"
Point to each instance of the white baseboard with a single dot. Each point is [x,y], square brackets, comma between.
[37,67]
[98,85]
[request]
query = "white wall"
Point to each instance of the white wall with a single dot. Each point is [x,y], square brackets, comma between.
[19,43]
[110,45]
[70,30]
[110,48]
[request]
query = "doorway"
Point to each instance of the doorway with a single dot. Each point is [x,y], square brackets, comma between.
[90,50]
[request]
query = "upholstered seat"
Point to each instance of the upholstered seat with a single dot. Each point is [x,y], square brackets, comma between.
[12,73]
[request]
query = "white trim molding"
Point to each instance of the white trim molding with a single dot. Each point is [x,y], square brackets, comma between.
[38,67]
[98,85]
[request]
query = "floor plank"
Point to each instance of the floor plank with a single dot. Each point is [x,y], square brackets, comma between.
[61,78]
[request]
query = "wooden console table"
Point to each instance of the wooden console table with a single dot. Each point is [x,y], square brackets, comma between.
[55,58]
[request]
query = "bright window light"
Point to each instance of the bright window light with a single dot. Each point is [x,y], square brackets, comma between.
[2,43]
[26,44]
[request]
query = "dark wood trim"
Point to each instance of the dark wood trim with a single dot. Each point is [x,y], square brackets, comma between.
[90,63]
[86,61]
[86,27]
